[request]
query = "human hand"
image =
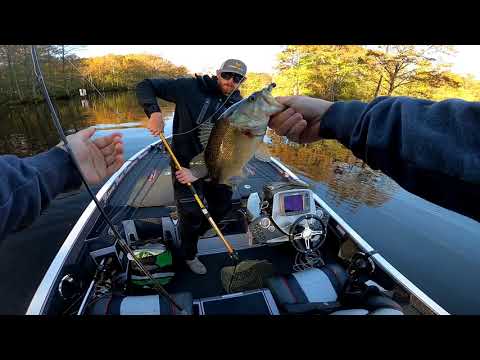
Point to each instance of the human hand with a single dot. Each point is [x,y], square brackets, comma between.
[300,122]
[156,123]
[99,158]
[185,176]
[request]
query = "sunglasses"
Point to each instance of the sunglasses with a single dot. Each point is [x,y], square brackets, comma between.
[228,75]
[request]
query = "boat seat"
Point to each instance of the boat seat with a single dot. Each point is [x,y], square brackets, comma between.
[316,291]
[142,305]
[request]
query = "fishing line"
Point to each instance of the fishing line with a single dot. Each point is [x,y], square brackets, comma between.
[184,133]
[211,116]
[91,83]
[117,113]
[173,134]
[58,126]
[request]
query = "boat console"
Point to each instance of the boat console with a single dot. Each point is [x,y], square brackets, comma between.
[284,212]
[287,212]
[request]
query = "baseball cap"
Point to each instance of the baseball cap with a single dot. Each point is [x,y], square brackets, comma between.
[235,66]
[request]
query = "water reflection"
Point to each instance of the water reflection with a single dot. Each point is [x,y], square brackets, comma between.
[349,181]
[27,129]
[414,235]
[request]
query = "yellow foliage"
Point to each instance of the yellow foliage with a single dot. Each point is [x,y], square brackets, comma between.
[125,71]
[351,72]
[255,82]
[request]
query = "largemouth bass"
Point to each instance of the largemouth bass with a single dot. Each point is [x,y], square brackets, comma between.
[236,136]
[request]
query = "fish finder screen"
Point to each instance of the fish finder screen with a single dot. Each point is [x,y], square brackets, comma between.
[293,203]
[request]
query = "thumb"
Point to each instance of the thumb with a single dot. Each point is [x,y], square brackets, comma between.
[87,133]
[285,100]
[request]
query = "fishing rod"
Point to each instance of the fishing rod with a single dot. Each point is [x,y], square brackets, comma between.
[58,126]
[231,251]
[173,134]
[233,254]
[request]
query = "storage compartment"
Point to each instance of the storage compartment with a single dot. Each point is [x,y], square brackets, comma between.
[255,302]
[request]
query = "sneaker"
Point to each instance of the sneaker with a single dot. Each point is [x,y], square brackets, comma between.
[196,266]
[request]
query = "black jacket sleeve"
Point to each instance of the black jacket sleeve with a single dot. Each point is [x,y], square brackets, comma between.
[430,148]
[149,89]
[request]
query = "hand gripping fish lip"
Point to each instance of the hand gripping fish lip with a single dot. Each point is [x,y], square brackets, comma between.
[236,137]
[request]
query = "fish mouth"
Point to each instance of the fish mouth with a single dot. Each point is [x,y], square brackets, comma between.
[248,133]
[251,133]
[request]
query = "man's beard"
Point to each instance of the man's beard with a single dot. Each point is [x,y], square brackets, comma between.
[226,90]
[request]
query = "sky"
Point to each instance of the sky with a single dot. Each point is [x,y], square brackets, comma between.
[197,58]
[259,58]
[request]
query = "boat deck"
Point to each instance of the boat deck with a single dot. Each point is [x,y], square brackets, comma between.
[149,191]
[145,194]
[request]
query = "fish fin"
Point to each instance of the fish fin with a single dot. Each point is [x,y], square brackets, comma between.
[235,181]
[199,171]
[204,132]
[200,158]
[262,153]
[198,167]
[245,172]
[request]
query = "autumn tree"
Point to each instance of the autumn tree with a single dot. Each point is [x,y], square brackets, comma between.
[332,72]
[113,72]
[255,82]
[403,66]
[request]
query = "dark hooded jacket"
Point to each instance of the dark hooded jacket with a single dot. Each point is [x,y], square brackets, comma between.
[196,100]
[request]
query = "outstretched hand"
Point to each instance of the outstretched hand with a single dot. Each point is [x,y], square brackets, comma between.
[99,158]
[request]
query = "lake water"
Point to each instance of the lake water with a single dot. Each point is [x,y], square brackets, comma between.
[437,249]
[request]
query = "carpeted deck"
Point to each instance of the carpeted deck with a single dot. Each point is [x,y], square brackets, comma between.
[201,286]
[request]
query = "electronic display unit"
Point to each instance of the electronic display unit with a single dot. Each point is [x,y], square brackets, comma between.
[288,205]
[293,204]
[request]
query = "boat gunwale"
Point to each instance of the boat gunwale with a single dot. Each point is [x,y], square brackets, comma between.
[379,259]
[42,294]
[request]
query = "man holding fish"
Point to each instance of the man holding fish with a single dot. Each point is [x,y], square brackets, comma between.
[199,103]
[411,140]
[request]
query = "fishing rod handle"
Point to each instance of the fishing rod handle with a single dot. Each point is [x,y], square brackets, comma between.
[219,233]
[197,198]
[169,149]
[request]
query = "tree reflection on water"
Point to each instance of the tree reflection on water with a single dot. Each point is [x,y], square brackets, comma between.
[27,130]
[348,179]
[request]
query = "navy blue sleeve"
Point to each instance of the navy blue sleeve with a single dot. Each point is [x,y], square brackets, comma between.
[29,184]
[427,147]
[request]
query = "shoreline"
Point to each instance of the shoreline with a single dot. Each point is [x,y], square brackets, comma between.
[40,100]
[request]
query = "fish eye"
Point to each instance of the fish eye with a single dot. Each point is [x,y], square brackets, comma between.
[251,98]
